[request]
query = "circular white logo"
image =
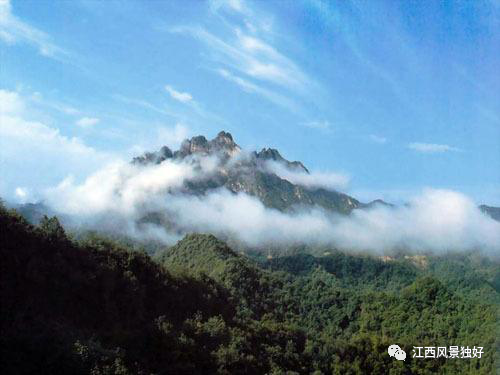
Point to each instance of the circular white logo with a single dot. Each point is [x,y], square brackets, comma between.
[396,352]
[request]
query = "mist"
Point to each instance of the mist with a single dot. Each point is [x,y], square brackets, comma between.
[118,197]
[313,179]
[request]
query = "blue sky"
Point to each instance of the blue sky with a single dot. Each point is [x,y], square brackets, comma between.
[399,96]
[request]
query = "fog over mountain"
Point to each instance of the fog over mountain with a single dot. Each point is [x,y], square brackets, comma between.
[260,198]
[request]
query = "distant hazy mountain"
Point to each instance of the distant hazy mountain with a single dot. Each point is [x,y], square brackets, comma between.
[378,202]
[494,212]
[34,212]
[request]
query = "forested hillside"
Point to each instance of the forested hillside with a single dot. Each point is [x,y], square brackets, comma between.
[94,306]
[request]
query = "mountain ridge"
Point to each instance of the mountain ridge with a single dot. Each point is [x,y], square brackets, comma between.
[239,171]
[248,174]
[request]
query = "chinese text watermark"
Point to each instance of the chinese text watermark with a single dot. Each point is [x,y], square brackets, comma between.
[447,352]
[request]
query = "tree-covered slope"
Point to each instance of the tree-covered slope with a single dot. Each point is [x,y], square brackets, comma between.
[91,306]
[80,307]
[349,270]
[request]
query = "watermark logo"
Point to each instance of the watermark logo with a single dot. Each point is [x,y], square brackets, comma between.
[447,352]
[437,352]
[396,352]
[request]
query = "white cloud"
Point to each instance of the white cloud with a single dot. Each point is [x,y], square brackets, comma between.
[314,179]
[320,125]
[172,136]
[145,104]
[243,83]
[119,187]
[246,52]
[251,56]
[183,97]
[431,147]
[86,122]
[193,113]
[37,98]
[126,192]
[435,220]
[264,62]
[34,154]
[33,137]
[21,194]
[378,139]
[234,6]
[10,102]
[250,87]
[220,212]
[395,196]
[13,30]
[254,20]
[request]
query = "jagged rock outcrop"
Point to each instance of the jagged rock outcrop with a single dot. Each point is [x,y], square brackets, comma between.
[223,145]
[249,174]
[274,155]
[154,157]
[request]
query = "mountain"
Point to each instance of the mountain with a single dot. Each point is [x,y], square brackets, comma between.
[253,173]
[205,254]
[247,173]
[34,212]
[186,255]
[222,145]
[378,203]
[493,212]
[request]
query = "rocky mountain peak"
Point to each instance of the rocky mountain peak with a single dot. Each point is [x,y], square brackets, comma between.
[274,155]
[198,144]
[224,142]
[252,174]
[154,157]
[270,154]
[224,137]
[165,152]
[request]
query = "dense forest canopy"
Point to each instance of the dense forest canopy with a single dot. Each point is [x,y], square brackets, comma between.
[87,304]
